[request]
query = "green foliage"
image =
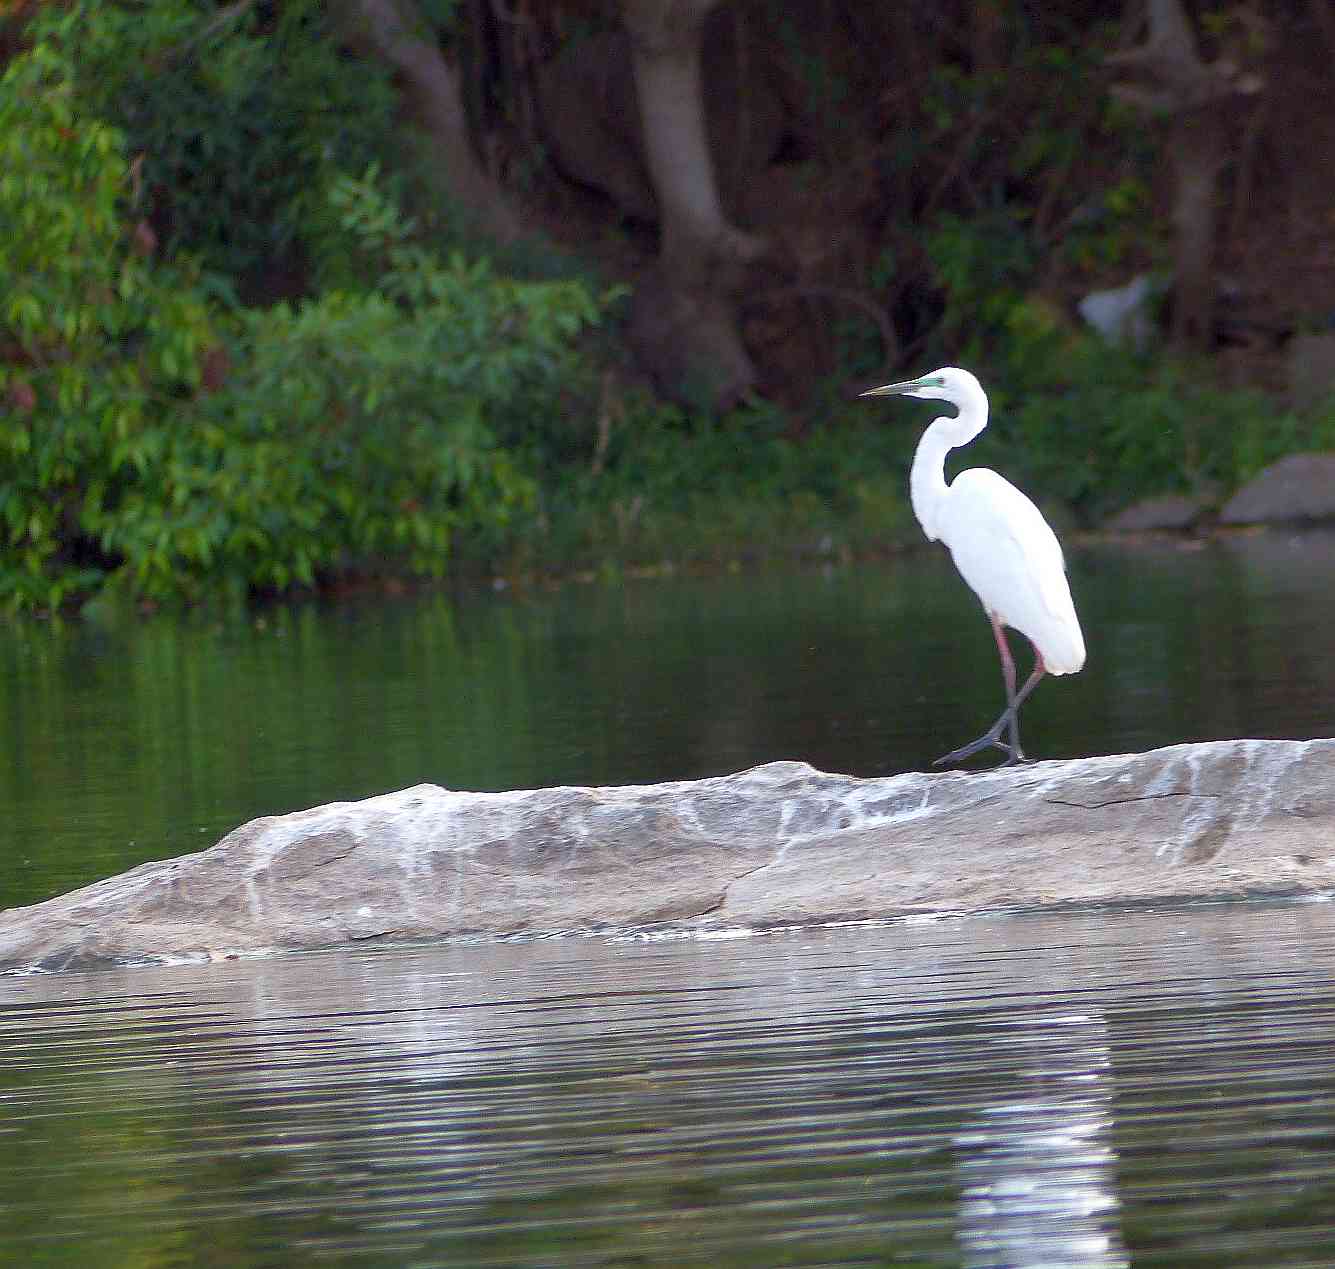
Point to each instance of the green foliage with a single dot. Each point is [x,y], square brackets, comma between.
[1045,187]
[94,344]
[1062,206]
[365,424]
[361,425]
[158,440]
[673,488]
[1098,426]
[983,264]
[235,115]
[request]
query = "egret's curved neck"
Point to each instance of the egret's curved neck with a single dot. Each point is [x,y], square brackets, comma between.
[927,480]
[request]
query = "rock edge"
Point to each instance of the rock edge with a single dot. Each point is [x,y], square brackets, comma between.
[780,844]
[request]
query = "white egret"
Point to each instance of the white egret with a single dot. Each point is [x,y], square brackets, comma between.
[1002,546]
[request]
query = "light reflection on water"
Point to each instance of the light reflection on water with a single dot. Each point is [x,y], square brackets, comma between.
[1038,1180]
[1094,1090]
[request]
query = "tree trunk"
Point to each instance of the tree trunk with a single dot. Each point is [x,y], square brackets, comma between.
[394,31]
[1198,96]
[684,323]
[1199,141]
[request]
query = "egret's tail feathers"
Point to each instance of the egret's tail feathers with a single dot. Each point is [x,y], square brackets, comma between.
[1064,649]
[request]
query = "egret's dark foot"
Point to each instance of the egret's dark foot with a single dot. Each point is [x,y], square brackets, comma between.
[988,740]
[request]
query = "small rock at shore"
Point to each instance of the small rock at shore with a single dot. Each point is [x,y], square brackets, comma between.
[1297,487]
[1170,513]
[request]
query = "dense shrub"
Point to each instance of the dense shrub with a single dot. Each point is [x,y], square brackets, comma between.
[97,348]
[367,423]
[160,164]
[671,488]
[1098,426]
[361,424]
[236,118]
[1092,424]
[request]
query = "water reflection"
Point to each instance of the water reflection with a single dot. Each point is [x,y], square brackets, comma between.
[1077,1091]
[1212,640]
[1037,1171]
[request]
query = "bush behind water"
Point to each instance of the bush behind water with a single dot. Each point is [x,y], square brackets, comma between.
[153,439]
[1079,420]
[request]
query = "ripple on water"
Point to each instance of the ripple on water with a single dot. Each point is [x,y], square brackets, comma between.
[1075,1090]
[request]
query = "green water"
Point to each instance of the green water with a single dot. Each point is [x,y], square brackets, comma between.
[1104,1090]
[1085,1091]
[152,738]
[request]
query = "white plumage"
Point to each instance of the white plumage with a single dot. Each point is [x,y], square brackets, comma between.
[1002,546]
[1013,562]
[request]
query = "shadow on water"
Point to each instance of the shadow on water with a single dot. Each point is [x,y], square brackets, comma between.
[1094,1091]
[155,738]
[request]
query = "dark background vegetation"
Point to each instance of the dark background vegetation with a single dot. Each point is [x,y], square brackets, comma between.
[294,294]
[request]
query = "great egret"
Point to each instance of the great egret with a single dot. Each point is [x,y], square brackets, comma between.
[1002,546]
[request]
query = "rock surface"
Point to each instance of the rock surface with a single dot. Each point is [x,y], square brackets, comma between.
[777,845]
[1170,512]
[1297,487]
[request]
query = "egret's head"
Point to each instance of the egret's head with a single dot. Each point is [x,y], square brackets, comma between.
[950,383]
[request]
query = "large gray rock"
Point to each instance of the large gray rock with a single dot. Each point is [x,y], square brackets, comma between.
[780,844]
[1170,512]
[1297,487]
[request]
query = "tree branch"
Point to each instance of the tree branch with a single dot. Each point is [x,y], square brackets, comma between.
[398,34]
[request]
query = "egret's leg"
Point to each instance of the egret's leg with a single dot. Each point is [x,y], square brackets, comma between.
[1009,719]
[1008,677]
[1016,753]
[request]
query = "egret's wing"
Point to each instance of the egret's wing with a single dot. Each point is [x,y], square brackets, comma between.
[1012,561]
